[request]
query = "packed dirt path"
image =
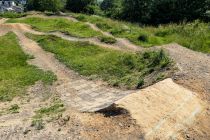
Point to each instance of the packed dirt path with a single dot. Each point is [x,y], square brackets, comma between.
[93,40]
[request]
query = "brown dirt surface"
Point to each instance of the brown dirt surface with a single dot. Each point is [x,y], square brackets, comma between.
[162,110]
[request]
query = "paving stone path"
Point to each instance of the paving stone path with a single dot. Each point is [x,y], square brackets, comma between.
[89,96]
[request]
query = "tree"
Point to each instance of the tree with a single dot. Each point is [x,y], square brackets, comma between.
[165,11]
[79,5]
[44,5]
[137,10]
[112,8]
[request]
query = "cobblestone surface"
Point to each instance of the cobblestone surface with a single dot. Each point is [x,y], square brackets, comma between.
[89,96]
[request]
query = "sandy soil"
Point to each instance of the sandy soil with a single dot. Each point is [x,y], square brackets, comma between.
[162,110]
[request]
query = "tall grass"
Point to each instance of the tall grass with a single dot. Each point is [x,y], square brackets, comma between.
[15,74]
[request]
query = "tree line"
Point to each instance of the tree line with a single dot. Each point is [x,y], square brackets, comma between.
[142,11]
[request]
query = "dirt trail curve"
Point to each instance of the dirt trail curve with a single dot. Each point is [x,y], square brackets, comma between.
[122,43]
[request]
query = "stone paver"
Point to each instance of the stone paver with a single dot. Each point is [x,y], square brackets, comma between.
[89,96]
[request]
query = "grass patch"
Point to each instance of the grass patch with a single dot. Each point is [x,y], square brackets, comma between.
[37,124]
[53,112]
[15,74]
[108,40]
[117,68]
[77,29]
[195,35]
[12,15]
[14,108]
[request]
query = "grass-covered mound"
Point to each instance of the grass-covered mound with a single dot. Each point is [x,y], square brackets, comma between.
[77,29]
[195,35]
[15,74]
[117,68]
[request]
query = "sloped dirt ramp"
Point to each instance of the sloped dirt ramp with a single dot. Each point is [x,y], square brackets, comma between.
[162,110]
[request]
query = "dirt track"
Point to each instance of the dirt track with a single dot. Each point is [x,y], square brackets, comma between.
[193,66]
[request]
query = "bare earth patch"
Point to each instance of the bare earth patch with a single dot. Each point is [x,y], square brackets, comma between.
[162,110]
